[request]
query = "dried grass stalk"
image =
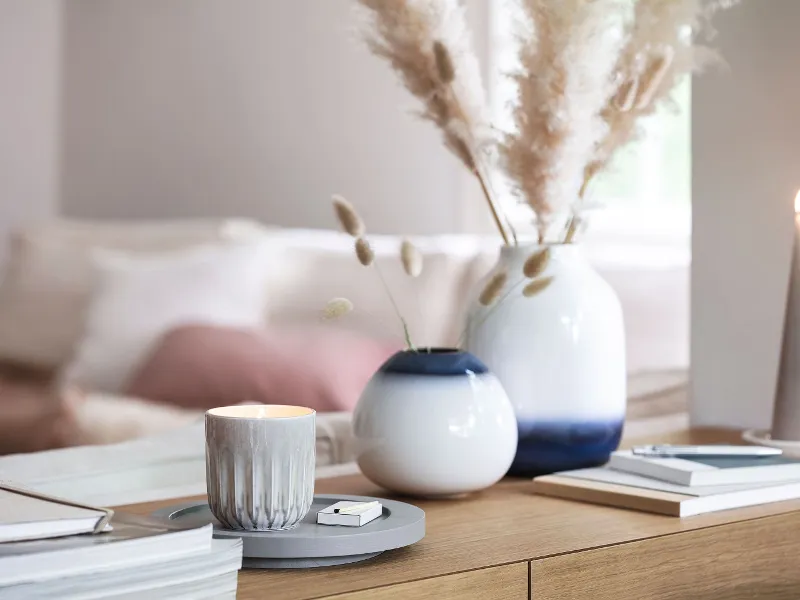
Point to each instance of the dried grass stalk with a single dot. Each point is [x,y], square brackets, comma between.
[493,288]
[536,286]
[411,258]
[348,218]
[364,252]
[663,46]
[428,44]
[573,225]
[336,308]
[352,224]
[568,50]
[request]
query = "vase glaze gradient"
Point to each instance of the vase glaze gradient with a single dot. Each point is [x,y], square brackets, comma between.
[434,424]
[560,356]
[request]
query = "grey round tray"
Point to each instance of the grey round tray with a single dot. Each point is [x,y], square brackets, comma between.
[309,544]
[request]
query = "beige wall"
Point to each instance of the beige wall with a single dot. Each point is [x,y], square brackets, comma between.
[260,108]
[29,109]
[746,155]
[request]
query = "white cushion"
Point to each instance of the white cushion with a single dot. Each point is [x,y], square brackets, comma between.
[138,298]
[43,299]
[47,282]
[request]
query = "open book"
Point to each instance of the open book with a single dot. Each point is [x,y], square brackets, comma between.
[27,515]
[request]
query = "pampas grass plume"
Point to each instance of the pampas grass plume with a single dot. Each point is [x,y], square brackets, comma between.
[536,263]
[348,217]
[493,288]
[364,252]
[411,258]
[428,43]
[536,286]
[337,307]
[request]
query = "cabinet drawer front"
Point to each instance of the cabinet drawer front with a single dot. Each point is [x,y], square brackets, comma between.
[749,559]
[509,582]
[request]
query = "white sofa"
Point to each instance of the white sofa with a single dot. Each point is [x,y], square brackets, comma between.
[49,270]
[652,286]
[309,268]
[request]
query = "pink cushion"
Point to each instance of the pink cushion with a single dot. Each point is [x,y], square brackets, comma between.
[34,416]
[201,366]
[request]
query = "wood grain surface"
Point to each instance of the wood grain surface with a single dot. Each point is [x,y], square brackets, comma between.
[502,525]
[509,582]
[750,559]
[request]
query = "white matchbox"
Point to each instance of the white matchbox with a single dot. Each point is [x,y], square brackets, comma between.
[327,516]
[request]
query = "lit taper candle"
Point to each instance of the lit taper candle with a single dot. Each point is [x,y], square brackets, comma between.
[786,416]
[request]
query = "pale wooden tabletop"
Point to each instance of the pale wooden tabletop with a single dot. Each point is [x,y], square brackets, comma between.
[502,525]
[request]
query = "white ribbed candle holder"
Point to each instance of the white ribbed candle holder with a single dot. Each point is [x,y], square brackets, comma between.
[260,465]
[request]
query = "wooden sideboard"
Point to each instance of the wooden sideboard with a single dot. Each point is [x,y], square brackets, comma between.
[507,543]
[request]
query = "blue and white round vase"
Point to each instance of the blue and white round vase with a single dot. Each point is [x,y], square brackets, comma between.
[560,355]
[434,422]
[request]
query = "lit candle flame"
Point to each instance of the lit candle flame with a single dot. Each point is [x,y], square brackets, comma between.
[797,203]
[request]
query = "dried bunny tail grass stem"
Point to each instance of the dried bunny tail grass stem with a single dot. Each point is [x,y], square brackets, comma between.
[364,252]
[493,288]
[428,44]
[348,217]
[411,258]
[366,256]
[336,308]
[406,333]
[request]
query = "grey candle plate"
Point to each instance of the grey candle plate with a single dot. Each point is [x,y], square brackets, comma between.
[309,544]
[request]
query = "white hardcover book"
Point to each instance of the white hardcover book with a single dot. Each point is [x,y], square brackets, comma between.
[178,577]
[28,515]
[717,470]
[602,485]
[133,542]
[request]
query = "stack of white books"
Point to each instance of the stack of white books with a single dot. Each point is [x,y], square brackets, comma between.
[679,487]
[50,548]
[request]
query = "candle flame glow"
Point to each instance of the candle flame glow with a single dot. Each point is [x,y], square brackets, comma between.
[797,203]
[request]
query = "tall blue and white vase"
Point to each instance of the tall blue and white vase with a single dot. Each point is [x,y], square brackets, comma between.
[434,423]
[559,353]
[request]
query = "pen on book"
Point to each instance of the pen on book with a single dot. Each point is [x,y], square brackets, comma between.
[356,508]
[677,451]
